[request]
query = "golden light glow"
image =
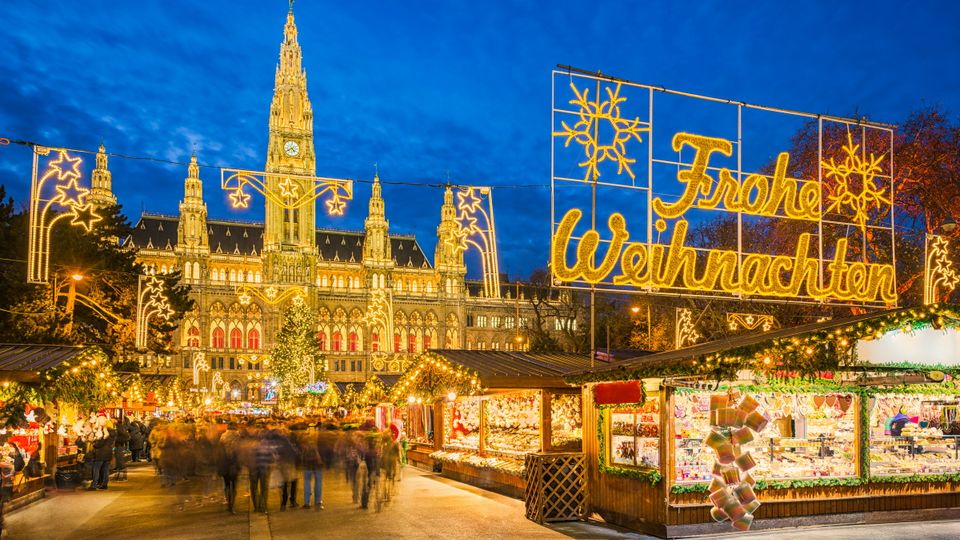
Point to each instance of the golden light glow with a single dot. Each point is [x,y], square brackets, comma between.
[152,302]
[675,265]
[939,270]
[846,198]
[64,173]
[475,227]
[686,332]
[601,116]
[750,321]
[287,194]
[271,295]
[378,310]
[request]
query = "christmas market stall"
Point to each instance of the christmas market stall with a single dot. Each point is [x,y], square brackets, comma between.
[45,390]
[844,421]
[476,415]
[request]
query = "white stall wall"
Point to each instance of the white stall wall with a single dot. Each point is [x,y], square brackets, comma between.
[927,347]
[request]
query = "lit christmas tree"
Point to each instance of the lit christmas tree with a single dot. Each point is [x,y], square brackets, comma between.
[296,359]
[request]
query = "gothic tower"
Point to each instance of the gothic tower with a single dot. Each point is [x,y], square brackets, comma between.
[289,242]
[101,192]
[376,243]
[193,245]
[448,257]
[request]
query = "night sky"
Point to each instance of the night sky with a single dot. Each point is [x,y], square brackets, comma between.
[429,90]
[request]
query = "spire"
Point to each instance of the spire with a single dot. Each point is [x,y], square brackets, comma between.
[448,256]
[192,229]
[101,181]
[192,185]
[376,247]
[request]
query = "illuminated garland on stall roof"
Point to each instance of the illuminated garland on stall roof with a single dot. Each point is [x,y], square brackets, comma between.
[433,378]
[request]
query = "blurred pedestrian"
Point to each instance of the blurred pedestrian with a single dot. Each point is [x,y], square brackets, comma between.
[228,463]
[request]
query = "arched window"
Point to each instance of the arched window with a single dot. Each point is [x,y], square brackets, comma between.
[426,342]
[413,286]
[352,342]
[217,339]
[337,342]
[396,343]
[323,281]
[322,340]
[223,275]
[412,343]
[186,271]
[193,336]
[236,338]
[196,271]
[253,339]
[375,342]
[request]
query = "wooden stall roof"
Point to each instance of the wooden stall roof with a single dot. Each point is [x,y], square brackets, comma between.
[508,369]
[21,362]
[622,369]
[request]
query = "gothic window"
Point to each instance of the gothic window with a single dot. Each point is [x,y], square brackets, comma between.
[163,269]
[223,274]
[233,275]
[509,322]
[352,342]
[187,271]
[375,342]
[196,271]
[217,339]
[412,343]
[340,281]
[257,276]
[253,339]
[399,285]
[426,342]
[449,286]
[481,321]
[322,340]
[323,281]
[470,320]
[337,341]
[495,321]
[236,338]
[429,287]
[193,336]
[413,286]
[396,343]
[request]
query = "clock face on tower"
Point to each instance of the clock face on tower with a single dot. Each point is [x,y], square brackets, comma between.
[291,148]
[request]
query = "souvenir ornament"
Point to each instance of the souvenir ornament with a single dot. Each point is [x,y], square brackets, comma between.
[731,489]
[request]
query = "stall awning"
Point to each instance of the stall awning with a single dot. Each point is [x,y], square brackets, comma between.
[503,369]
[21,362]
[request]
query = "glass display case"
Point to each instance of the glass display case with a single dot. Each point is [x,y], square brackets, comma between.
[809,436]
[512,424]
[634,435]
[914,434]
[462,424]
[419,423]
[566,423]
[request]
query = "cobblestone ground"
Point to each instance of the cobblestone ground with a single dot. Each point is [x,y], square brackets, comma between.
[424,506]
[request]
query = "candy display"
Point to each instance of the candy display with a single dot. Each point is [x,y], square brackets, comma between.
[635,435]
[508,466]
[731,485]
[513,424]
[914,434]
[566,422]
[803,435]
[462,424]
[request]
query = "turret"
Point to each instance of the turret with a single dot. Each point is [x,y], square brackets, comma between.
[101,192]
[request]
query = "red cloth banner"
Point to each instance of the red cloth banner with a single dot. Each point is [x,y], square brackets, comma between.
[612,393]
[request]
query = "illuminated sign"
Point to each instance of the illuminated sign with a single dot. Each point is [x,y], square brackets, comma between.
[639,203]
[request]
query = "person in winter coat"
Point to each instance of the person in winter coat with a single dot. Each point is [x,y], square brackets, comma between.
[102,455]
[228,463]
[287,465]
[312,466]
[136,441]
[123,438]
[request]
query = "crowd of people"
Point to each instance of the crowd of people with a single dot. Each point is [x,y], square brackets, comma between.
[291,456]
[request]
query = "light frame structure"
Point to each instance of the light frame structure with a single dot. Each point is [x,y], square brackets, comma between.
[64,172]
[287,195]
[476,227]
[938,270]
[152,301]
[610,164]
[685,331]
[750,321]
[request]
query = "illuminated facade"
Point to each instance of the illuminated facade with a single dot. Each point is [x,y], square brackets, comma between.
[379,298]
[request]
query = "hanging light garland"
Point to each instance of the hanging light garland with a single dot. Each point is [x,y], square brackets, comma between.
[433,378]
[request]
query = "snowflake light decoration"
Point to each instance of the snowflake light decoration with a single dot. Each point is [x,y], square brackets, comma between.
[853,170]
[599,116]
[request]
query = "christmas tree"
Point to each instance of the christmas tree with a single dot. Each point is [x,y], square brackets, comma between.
[296,359]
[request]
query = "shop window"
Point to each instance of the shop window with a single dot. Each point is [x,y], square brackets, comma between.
[419,424]
[566,423]
[914,434]
[236,339]
[337,341]
[510,428]
[375,342]
[461,424]
[352,342]
[253,339]
[633,438]
[217,338]
[809,436]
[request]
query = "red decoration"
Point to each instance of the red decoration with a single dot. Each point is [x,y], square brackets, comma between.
[612,393]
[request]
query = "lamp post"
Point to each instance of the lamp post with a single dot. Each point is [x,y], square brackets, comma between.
[71,300]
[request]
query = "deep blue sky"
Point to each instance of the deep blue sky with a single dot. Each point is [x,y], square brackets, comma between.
[428,89]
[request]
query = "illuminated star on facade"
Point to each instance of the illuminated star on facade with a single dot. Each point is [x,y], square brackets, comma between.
[244,299]
[335,206]
[65,167]
[239,198]
[288,188]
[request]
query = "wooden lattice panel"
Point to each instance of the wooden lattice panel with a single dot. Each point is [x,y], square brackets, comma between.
[556,487]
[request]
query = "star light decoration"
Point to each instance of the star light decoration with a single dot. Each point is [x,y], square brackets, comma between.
[271,294]
[284,190]
[475,227]
[750,321]
[856,191]
[598,117]
[67,195]
[939,270]
[200,365]
[152,301]
[686,333]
